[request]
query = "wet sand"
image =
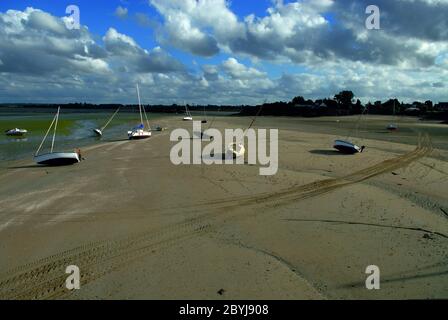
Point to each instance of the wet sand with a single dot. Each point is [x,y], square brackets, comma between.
[139,227]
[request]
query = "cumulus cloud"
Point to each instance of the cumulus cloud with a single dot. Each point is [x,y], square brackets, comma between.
[121,12]
[315,47]
[301,31]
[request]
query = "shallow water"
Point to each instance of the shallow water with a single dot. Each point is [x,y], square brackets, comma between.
[74,129]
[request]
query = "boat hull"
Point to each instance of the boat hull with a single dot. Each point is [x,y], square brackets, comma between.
[139,135]
[57,159]
[392,127]
[346,147]
[236,150]
[16,133]
[98,132]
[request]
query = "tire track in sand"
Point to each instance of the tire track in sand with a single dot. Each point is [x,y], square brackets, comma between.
[45,278]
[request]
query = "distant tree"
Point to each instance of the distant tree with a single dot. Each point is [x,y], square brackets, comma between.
[345,98]
[358,107]
[298,100]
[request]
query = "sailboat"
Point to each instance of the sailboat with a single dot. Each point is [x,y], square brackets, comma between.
[139,132]
[188,116]
[237,150]
[16,132]
[392,126]
[204,120]
[55,158]
[348,147]
[99,131]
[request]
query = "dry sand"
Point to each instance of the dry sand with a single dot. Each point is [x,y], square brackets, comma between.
[139,227]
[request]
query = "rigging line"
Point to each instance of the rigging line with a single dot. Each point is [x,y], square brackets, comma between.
[256,115]
[139,105]
[110,120]
[55,128]
[146,117]
[46,135]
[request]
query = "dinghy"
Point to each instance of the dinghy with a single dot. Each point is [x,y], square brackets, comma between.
[236,150]
[100,131]
[188,116]
[55,158]
[204,120]
[16,132]
[392,126]
[347,147]
[139,132]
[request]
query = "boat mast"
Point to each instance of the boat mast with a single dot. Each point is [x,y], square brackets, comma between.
[45,137]
[111,118]
[139,105]
[55,128]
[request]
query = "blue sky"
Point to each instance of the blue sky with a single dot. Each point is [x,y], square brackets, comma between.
[240,51]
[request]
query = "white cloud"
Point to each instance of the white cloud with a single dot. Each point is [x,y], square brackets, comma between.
[121,12]
[42,60]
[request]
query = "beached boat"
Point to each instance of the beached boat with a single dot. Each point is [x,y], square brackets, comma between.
[16,132]
[347,147]
[392,127]
[56,158]
[188,116]
[236,150]
[100,131]
[204,120]
[140,132]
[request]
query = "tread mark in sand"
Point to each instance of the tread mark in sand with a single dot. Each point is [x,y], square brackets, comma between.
[45,278]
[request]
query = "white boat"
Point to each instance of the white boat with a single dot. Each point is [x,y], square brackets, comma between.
[16,132]
[56,158]
[139,132]
[347,147]
[204,120]
[236,150]
[392,127]
[188,116]
[99,131]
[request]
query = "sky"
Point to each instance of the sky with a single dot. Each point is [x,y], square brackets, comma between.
[221,52]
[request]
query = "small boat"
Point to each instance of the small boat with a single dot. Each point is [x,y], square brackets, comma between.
[99,131]
[139,132]
[56,158]
[158,129]
[392,127]
[236,150]
[188,116]
[204,120]
[347,147]
[16,132]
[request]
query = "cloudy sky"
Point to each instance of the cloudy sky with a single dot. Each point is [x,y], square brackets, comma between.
[221,52]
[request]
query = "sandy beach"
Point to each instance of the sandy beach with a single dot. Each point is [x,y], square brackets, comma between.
[139,227]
